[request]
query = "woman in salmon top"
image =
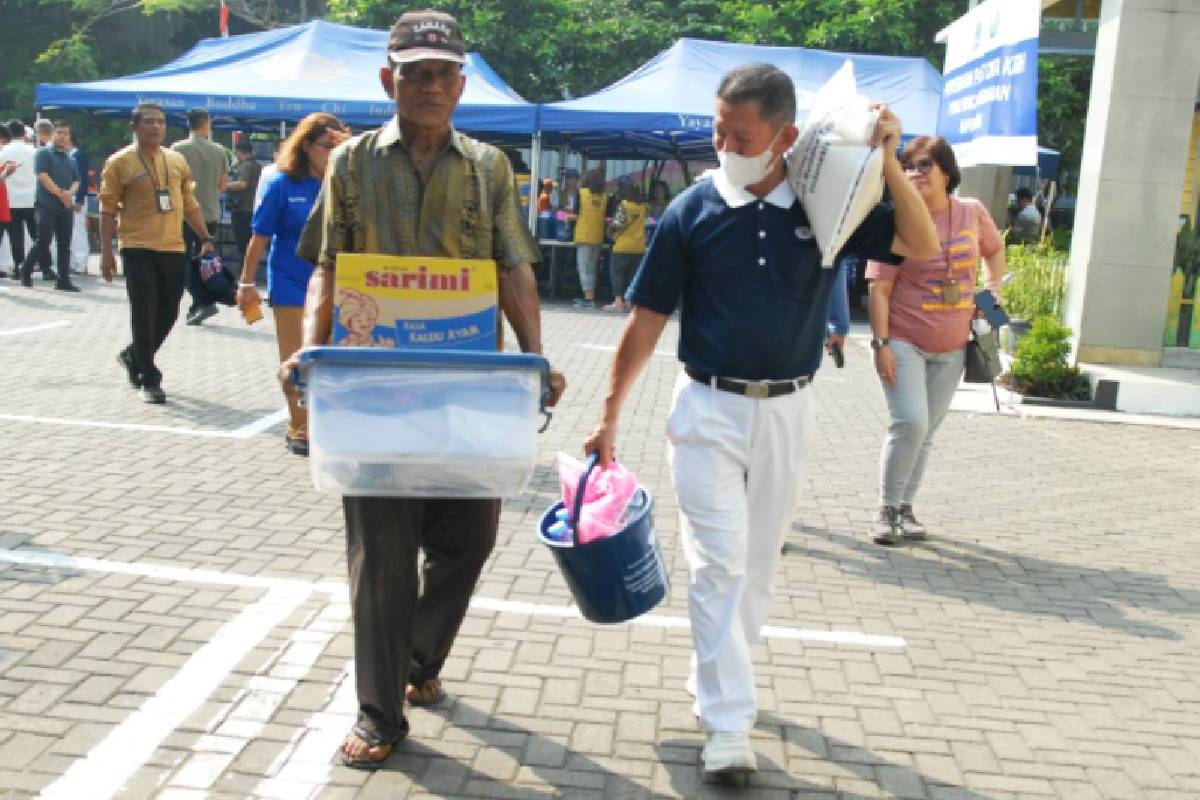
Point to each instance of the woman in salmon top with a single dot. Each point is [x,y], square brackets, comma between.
[921,311]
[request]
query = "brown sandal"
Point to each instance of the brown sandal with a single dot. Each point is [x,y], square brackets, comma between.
[373,741]
[428,692]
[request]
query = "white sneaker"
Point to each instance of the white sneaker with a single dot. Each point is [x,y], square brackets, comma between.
[729,752]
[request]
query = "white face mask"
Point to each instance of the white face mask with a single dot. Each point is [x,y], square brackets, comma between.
[744,171]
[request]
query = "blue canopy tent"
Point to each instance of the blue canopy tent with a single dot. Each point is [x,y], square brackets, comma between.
[261,79]
[1047,165]
[664,108]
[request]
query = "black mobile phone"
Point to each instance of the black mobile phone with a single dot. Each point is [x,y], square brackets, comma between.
[992,311]
[839,358]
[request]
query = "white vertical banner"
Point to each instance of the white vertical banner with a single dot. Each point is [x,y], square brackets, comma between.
[989,98]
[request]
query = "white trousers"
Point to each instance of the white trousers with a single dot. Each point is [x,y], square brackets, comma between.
[79,241]
[736,464]
[6,259]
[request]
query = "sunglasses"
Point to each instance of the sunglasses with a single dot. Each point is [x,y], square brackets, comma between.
[922,165]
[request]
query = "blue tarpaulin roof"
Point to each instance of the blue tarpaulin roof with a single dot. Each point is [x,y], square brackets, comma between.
[668,101]
[286,74]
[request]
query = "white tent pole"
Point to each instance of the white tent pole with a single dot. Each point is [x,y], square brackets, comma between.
[535,166]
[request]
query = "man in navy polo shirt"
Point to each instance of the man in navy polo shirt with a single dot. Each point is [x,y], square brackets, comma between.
[736,252]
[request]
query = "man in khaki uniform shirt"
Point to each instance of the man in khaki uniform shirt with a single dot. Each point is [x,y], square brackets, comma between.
[145,195]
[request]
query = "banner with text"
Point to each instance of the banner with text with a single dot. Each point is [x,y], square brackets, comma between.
[989,99]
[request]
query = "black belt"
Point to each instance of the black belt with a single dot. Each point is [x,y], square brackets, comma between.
[757,390]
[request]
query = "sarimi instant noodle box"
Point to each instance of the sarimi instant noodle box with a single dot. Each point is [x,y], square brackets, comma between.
[415,302]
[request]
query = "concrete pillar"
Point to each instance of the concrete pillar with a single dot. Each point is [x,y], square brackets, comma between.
[1131,177]
[988,184]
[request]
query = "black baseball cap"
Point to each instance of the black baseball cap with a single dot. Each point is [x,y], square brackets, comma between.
[428,34]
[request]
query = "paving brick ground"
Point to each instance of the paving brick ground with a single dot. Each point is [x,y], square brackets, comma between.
[1051,623]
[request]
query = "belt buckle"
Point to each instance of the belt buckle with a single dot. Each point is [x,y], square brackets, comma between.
[760,390]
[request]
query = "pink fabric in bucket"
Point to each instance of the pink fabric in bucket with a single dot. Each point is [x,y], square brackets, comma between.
[607,493]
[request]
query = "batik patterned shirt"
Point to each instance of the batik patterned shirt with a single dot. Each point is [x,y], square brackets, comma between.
[374,201]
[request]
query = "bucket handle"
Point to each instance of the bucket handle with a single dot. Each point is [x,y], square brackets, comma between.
[573,521]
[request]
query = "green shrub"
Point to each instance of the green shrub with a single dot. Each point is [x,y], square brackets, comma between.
[1040,366]
[1038,285]
[1187,258]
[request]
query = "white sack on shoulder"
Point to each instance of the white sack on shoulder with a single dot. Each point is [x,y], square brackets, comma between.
[832,167]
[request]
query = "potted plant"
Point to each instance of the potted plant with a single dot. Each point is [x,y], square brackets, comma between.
[1040,372]
[1035,286]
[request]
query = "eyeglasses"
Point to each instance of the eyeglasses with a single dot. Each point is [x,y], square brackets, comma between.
[420,76]
[922,165]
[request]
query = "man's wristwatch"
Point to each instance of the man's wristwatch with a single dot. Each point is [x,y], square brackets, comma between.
[879,344]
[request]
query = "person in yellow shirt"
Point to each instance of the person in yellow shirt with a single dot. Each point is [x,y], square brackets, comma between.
[589,235]
[629,242]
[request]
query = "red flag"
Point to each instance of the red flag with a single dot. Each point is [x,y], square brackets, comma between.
[224,24]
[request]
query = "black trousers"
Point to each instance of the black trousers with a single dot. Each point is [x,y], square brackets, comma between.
[201,296]
[405,619]
[240,222]
[154,283]
[622,267]
[24,219]
[57,225]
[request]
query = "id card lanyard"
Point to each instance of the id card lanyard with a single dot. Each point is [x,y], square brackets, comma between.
[950,291]
[162,195]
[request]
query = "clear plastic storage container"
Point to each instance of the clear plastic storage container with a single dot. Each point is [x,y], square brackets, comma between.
[403,423]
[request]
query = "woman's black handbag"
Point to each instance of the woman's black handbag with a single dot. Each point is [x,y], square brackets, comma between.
[982,358]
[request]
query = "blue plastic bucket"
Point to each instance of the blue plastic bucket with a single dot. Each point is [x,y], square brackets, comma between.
[616,578]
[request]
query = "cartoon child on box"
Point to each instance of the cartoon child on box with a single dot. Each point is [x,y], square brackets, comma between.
[358,314]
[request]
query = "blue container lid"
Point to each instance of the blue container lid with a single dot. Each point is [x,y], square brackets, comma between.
[436,359]
[468,360]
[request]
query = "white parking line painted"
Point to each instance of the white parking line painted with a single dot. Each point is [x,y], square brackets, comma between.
[339,589]
[609,348]
[244,432]
[44,558]
[103,771]
[308,767]
[262,424]
[35,328]
[255,706]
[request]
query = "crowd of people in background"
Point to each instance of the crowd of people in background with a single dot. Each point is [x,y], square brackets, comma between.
[619,224]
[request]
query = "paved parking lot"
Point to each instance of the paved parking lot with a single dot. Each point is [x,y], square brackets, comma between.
[173,617]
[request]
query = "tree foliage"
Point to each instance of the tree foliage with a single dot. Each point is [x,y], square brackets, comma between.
[1064,85]
[550,49]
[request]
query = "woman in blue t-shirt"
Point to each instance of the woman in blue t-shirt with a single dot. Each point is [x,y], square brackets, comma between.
[287,200]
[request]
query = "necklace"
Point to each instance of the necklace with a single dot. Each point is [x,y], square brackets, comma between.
[950,291]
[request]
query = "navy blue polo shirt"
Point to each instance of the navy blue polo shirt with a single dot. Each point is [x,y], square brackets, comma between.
[61,168]
[748,275]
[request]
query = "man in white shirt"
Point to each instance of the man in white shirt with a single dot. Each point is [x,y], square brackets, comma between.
[22,189]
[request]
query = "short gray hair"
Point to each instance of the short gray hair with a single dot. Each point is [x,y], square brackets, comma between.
[768,85]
